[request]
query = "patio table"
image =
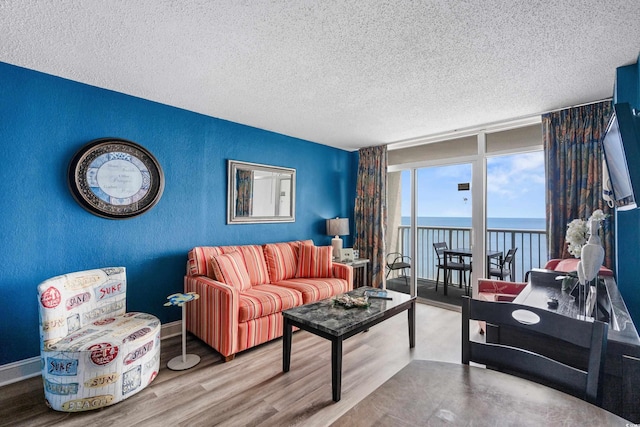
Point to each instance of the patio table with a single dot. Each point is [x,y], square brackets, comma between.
[466,252]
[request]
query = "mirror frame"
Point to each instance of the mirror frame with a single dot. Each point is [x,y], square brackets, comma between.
[232,167]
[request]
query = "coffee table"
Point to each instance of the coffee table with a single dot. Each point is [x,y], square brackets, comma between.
[337,323]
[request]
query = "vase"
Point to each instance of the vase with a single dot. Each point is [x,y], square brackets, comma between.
[591,259]
[592,255]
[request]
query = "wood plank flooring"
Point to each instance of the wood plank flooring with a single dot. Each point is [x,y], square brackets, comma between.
[252,390]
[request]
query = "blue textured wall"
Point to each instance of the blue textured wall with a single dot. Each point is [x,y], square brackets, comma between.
[44,120]
[628,222]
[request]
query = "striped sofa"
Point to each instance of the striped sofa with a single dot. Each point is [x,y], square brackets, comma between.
[244,289]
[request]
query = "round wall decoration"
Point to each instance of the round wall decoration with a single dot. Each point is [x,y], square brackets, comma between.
[115,178]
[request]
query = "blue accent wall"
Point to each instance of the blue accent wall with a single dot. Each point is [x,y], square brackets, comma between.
[627,89]
[44,120]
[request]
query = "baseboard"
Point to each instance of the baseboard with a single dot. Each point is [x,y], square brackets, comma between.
[20,370]
[171,329]
[28,368]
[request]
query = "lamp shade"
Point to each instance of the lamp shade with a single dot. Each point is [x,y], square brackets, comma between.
[338,227]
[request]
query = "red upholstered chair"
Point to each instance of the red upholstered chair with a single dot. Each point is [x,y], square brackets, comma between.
[571,264]
[497,290]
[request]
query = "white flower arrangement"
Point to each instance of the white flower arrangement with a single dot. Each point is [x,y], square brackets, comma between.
[578,232]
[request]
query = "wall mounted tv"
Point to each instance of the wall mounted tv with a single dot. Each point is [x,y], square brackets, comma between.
[621,148]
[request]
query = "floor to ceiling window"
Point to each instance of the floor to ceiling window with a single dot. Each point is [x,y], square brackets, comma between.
[516,209]
[434,183]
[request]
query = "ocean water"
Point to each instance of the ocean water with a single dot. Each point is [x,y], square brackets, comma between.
[504,223]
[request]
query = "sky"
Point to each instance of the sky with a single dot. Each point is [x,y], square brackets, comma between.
[515,188]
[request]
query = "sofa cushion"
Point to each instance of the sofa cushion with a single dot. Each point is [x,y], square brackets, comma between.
[255,263]
[316,289]
[282,259]
[314,261]
[262,300]
[231,269]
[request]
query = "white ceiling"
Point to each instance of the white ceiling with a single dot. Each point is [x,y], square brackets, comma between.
[345,73]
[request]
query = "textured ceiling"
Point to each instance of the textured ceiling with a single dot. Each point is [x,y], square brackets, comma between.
[345,73]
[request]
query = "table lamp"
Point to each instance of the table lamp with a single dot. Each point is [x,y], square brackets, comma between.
[337,227]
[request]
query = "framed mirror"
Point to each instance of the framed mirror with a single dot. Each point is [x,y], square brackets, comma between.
[260,193]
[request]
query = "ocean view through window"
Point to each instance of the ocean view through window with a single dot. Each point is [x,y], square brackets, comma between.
[515,201]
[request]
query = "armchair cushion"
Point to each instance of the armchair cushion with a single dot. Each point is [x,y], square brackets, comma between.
[231,269]
[500,287]
[499,290]
[314,261]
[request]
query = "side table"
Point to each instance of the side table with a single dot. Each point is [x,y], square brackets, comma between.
[185,361]
[359,264]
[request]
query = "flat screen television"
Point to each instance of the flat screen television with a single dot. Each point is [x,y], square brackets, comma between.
[621,165]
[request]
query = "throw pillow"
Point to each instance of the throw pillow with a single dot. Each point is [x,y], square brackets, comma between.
[315,261]
[230,269]
[281,261]
[255,263]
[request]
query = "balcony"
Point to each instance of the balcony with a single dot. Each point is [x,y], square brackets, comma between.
[531,244]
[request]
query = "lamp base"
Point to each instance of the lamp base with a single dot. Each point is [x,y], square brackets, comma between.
[336,244]
[179,364]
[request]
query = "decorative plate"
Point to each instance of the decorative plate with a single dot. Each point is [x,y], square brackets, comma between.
[115,178]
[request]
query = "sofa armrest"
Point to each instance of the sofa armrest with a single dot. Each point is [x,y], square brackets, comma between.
[500,287]
[214,316]
[343,271]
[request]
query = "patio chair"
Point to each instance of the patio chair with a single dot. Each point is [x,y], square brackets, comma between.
[503,269]
[539,359]
[452,265]
[398,262]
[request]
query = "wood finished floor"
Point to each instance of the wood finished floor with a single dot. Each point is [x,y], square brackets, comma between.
[252,390]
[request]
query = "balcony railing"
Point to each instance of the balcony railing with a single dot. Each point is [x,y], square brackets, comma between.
[531,244]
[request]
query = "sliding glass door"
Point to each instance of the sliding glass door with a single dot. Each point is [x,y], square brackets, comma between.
[467,192]
[444,215]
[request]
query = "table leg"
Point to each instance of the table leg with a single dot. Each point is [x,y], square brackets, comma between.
[287,332]
[445,281]
[488,267]
[364,276]
[411,313]
[336,368]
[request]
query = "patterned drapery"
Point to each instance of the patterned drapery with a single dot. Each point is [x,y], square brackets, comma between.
[244,183]
[371,210]
[573,159]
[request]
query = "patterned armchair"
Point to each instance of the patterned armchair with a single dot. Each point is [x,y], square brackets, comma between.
[93,353]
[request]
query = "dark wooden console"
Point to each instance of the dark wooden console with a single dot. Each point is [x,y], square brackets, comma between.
[621,385]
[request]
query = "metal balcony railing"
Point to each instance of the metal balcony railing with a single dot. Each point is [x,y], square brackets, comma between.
[531,244]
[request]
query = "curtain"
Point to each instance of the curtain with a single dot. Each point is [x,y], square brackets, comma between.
[244,183]
[573,162]
[371,210]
